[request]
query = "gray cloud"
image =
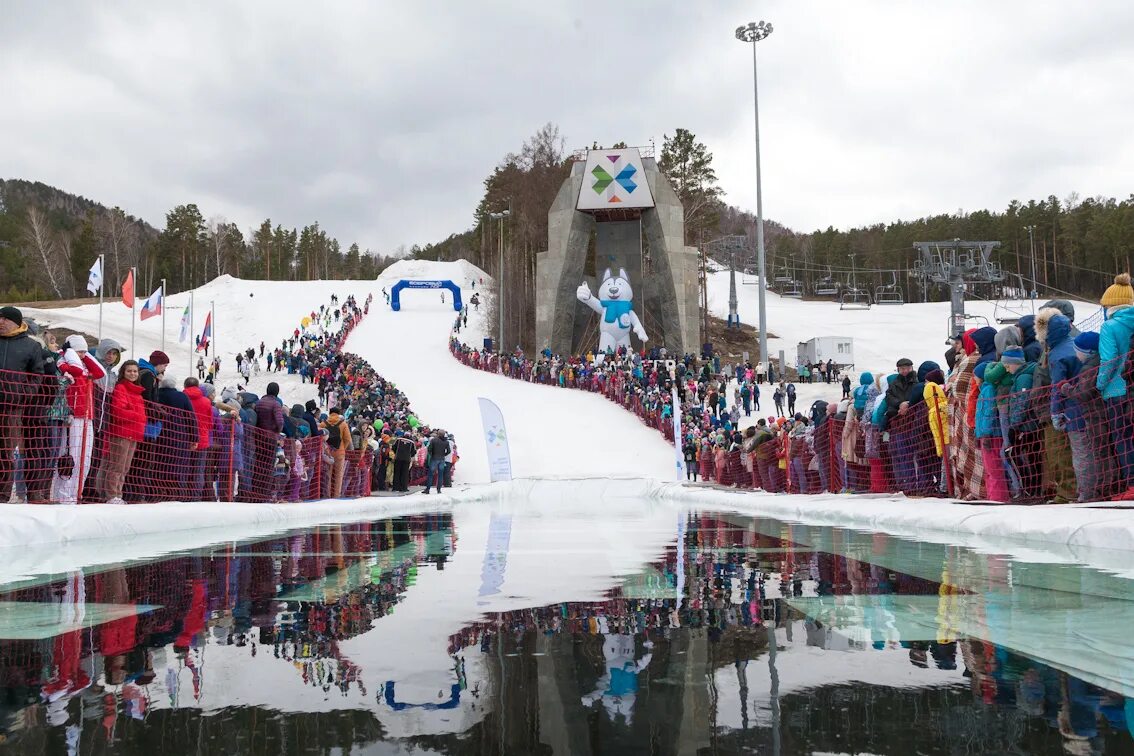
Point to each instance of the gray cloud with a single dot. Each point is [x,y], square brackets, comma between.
[381,120]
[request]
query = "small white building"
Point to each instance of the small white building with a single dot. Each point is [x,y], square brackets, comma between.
[838,349]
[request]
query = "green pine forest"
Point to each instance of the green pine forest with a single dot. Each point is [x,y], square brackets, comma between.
[49,238]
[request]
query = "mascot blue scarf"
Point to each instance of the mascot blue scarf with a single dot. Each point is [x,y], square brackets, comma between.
[613,309]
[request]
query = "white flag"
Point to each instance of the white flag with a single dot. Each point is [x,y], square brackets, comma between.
[94,279]
[496,439]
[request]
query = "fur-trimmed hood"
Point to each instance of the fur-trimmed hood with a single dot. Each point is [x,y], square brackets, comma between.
[1043,317]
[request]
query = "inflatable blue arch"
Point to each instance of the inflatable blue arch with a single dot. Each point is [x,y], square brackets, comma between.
[396,292]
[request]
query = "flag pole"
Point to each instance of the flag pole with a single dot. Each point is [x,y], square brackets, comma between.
[163,314]
[101,289]
[216,354]
[190,337]
[133,300]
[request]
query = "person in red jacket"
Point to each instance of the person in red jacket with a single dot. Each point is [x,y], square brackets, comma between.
[125,431]
[75,458]
[198,453]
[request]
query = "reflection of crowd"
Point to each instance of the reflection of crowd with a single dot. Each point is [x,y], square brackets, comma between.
[736,580]
[228,597]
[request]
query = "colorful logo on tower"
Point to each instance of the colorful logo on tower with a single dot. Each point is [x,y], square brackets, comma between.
[614,179]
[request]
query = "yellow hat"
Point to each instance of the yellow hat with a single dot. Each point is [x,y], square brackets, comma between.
[1120,293]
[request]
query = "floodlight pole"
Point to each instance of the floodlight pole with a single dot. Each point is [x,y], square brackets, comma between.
[500,216]
[1032,249]
[754,32]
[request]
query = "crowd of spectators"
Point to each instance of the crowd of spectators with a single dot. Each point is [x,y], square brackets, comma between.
[1032,412]
[82,425]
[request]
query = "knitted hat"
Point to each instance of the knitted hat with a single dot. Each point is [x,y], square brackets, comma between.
[77,342]
[1118,293]
[1087,342]
[979,370]
[1013,355]
[12,314]
[158,357]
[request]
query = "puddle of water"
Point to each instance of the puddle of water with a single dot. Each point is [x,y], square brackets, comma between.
[615,629]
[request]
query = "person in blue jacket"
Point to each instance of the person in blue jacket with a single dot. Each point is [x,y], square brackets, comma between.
[1115,370]
[1066,415]
[862,393]
[985,340]
[1032,348]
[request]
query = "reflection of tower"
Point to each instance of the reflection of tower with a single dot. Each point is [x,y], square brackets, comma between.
[733,315]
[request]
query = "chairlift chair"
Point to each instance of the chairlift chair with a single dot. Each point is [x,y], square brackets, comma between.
[783,278]
[792,289]
[889,294]
[827,286]
[1008,310]
[854,298]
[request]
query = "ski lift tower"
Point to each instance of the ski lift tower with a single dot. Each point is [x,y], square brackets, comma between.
[728,245]
[957,264]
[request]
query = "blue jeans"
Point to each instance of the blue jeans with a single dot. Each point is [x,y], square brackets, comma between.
[1122,436]
[436,468]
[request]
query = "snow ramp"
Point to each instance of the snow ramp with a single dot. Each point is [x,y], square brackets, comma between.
[552,432]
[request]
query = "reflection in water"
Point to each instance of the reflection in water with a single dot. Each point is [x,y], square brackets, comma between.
[740,635]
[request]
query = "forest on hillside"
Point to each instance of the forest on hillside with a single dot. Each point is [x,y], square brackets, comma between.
[49,239]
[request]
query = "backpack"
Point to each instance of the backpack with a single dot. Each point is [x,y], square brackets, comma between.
[334,435]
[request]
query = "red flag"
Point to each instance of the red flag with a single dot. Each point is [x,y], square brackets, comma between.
[128,290]
[206,334]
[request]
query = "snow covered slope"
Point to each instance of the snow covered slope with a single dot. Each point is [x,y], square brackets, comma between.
[246,313]
[552,431]
[881,334]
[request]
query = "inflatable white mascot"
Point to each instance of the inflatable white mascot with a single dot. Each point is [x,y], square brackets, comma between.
[615,304]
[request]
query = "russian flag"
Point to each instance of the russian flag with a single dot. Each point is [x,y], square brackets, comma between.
[152,306]
[206,334]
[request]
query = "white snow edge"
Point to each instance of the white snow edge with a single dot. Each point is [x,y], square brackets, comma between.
[37,540]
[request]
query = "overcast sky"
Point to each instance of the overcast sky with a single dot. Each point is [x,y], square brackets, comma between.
[381,120]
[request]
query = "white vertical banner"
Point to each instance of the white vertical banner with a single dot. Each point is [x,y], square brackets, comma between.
[677,450]
[495,440]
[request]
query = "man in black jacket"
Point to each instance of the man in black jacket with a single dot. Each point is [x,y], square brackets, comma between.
[898,393]
[435,459]
[20,355]
[404,449]
[902,447]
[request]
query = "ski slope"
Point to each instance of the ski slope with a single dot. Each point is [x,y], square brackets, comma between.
[881,334]
[245,313]
[552,431]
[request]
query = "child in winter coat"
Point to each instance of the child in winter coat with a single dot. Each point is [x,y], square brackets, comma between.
[989,433]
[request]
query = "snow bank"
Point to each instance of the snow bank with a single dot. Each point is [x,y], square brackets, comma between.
[37,540]
[460,272]
[1098,537]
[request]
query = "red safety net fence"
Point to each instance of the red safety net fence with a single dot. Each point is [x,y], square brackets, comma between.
[1011,438]
[66,443]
